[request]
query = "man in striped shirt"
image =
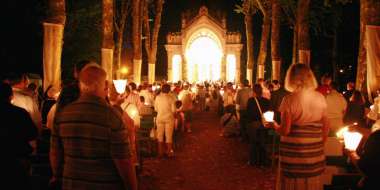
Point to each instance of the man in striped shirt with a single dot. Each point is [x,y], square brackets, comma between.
[89,143]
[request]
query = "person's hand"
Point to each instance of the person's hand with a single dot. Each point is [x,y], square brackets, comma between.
[54,183]
[119,99]
[270,124]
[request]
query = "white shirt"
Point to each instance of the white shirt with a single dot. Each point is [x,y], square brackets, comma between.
[24,100]
[165,107]
[336,105]
[148,96]
[186,98]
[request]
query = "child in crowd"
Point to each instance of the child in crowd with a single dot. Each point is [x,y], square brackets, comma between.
[229,122]
[179,116]
[144,108]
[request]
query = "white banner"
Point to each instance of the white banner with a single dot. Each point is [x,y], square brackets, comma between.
[107,62]
[52,52]
[372,44]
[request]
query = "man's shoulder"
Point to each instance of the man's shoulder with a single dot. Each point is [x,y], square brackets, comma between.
[16,109]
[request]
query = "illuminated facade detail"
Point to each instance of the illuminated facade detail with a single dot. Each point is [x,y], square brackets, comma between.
[231,68]
[203,46]
[177,61]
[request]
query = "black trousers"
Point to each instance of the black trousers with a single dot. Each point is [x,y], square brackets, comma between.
[243,125]
[257,137]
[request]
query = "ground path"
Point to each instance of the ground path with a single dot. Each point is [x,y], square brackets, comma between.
[206,161]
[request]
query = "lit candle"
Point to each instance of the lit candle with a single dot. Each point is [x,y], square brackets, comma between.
[341,131]
[268,116]
[352,140]
[120,85]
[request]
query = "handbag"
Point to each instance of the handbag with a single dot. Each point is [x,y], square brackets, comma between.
[261,112]
[153,133]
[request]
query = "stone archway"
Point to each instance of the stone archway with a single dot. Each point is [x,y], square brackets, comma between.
[203,50]
[203,55]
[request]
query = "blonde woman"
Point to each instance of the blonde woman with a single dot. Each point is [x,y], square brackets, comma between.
[303,131]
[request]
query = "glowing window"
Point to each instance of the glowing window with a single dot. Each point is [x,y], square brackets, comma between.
[231,67]
[176,67]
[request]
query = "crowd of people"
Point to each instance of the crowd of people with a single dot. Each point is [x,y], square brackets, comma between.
[93,127]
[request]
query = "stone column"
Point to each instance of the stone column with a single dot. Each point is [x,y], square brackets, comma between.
[170,64]
[223,70]
[238,71]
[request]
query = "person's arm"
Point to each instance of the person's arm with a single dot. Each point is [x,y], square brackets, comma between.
[325,128]
[121,155]
[56,155]
[127,172]
[286,122]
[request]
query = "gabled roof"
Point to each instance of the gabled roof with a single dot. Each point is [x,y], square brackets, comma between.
[203,12]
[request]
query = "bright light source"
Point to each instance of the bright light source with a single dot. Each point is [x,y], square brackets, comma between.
[204,54]
[341,131]
[231,67]
[120,85]
[176,63]
[124,70]
[352,140]
[268,116]
[341,70]
[221,92]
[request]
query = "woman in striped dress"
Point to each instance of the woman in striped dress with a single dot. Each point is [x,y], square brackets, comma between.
[303,131]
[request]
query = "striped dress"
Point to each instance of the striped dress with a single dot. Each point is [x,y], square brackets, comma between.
[302,159]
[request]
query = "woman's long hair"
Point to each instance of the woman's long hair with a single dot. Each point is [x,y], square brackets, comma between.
[300,76]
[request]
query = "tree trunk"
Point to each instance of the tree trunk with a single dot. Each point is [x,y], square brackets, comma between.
[250,55]
[295,45]
[108,42]
[151,46]
[335,55]
[120,28]
[136,33]
[369,15]
[303,39]
[53,41]
[275,40]
[263,46]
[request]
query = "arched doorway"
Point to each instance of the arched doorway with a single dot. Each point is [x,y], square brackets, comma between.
[204,57]
[203,50]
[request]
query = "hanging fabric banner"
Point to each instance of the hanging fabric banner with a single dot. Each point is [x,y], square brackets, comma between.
[372,44]
[53,35]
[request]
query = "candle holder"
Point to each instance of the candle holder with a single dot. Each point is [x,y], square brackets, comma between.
[352,140]
[120,85]
[268,116]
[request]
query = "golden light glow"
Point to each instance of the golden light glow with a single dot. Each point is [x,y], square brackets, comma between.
[120,85]
[352,140]
[231,67]
[341,131]
[124,70]
[204,58]
[176,70]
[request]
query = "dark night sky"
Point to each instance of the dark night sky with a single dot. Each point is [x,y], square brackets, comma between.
[21,34]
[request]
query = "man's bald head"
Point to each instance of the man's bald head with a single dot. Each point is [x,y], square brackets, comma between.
[92,80]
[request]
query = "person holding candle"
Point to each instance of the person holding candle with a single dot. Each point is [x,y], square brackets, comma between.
[367,161]
[303,129]
[256,106]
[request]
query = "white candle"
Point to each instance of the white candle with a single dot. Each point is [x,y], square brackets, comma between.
[120,85]
[268,116]
[341,131]
[352,140]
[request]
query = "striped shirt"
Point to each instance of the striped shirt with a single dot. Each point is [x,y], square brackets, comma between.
[89,134]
